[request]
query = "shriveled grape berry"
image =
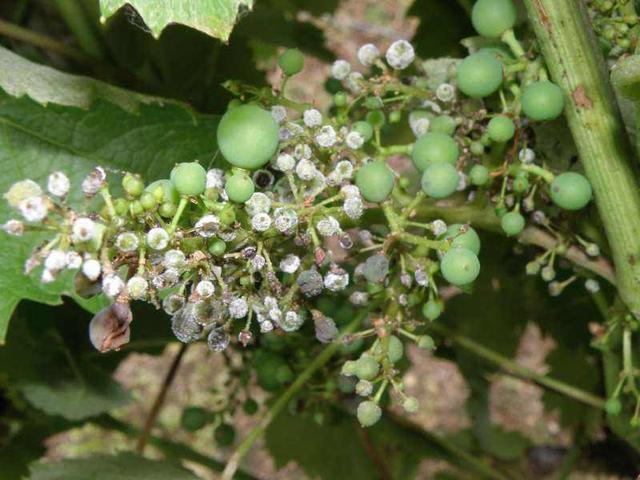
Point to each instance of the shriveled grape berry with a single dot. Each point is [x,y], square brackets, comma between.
[434,148]
[491,18]
[375,181]
[501,129]
[239,187]
[247,136]
[512,223]
[469,239]
[291,61]
[189,178]
[460,266]
[479,75]
[571,191]
[440,180]
[542,101]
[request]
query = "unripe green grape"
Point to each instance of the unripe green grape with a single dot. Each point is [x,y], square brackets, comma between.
[250,406]
[443,124]
[479,175]
[479,75]
[217,247]
[194,418]
[440,180]
[212,194]
[132,184]
[167,210]
[477,148]
[368,413]
[425,342]
[432,309]
[121,206]
[375,181]
[520,183]
[469,240]
[501,129]
[433,148]
[348,368]
[571,191]
[227,215]
[395,116]
[366,367]
[224,435]
[410,405]
[291,61]
[512,223]
[373,103]
[135,208]
[247,136]
[189,178]
[164,191]
[340,99]
[542,101]
[613,406]
[460,266]
[239,187]
[491,18]
[376,118]
[148,201]
[364,129]
[396,349]
[234,103]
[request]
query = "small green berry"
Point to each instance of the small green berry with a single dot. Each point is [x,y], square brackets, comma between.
[189,178]
[512,223]
[501,129]
[479,175]
[291,61]
[239,187]
[368,413]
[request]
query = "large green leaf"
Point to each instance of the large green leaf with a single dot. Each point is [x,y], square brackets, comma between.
[104,467]
[69,123]
[214,17]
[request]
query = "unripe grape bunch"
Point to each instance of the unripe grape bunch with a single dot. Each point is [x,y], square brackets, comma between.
[301,205]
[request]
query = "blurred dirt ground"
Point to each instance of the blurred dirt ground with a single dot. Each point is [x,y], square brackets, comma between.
[515,405]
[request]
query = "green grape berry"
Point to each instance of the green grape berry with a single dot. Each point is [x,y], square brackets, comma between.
[491,18]
[443,124]
[194,418]
[121,206]
[440,180]
[479,75]
[542,101]
[395,116]
[189,178]
[469,240]
[217,247]
[291,61]
[239,187]
[247,136]
[376,118]
[224,435]
[460,266]
[148,201]
[479,175]
[132,184]
[136,208]
[167,210]
[571,191]
[501,129]
[410,405]
[368,413]
[432,309]
[364,129]
[477,148]
[433,148]
[250,406]
[340,99]
[520,183]
[425,342]
[613,406]
[164,191]
[512,223]
[396,349]
[375,181]
[366,367]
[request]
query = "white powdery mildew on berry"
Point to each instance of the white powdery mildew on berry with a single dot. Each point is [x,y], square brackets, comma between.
[340,69]
[34,209]
[91,269]
[354,140]
[215,178]
[446,92]
[174,259]
[14,227]
[58,184]
[285,162]
[368,54]
[127,242]
[261,222]
[353,207]
[278,113]
[238,308]
[327,137]
[56,260]
[290,263]
[312,118]
[258,203]
[112,285]
[205,288]
[157,238]
[400,54]
[306,170]
[208,226]
[83,229]
[328,226]
[137,287]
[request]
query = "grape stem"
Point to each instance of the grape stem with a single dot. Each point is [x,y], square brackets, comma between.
[281,402]
[576,65]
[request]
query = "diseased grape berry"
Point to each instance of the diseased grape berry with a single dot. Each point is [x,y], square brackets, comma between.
[520,183]
[368,413]
[395,349]
[239,187]
[132,184]
[542,101]
[189,178]
[501,129]
[469,239]
[194,418]
[375,181]
[291,61]
[460,266]
[376,268]
[410,405]
[479,175]
[440,180]
[491,18]
[434,148]
[479,75]
[432,309]
[224,435]
[571,191]
[512,223]
[366,367]
[247,136]
[364,129]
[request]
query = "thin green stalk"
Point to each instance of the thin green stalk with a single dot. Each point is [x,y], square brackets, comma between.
[513,368]
[74,16]
[282,401]
[576,64]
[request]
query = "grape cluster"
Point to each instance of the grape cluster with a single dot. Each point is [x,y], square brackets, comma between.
[303,204]
[616,25]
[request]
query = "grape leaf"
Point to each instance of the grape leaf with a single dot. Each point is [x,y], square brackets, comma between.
[69,123]
[123,466]
[213,17]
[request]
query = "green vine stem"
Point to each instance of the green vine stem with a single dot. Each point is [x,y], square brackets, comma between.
[576,64]
[76,19]
[234,460]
